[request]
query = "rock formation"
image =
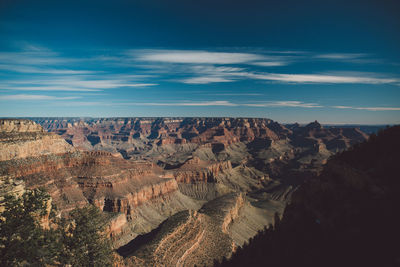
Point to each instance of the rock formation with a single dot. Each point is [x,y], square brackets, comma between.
[35,158]
[23,138]
[345,216]
[198,237]
[194,188]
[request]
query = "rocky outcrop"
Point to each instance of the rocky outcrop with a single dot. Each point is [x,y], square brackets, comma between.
[19,126]
[23,138]
[196,170]
[193,237]
[127,202]
[117,225]
[335,139]
[233,213]
[10,186]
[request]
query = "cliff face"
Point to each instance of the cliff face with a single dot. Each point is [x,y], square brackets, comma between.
[23,138]
[19,126]
[197,237]
[31,157]
[130,200]
[233,213]
[195,170]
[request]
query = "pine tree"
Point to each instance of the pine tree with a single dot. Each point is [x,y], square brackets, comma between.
[78,240]
[22,240]
[85,242]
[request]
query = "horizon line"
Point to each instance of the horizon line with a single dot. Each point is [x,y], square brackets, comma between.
[205,117]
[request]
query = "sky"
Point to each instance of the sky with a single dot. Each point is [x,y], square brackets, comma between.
[290,61]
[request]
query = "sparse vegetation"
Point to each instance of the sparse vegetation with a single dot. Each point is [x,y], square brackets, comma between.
[76,241]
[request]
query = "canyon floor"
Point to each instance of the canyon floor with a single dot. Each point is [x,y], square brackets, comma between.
[176,191]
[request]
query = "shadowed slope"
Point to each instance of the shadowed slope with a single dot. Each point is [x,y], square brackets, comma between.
[347,216]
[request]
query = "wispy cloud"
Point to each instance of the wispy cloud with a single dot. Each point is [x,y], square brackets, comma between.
[204,74]
[187,103]
[175,103]
[67,83]
[355,58]
[194,56]
[49,88]
[369,108]
[205,80]
[367,78]
[39,70]
[99,83]
[270,63]
[35,68]
[203,67]
[183,66]
[35,97]
[341,56]
[267,104]
[206,57]
[233,94]
[230,76]
[84,103]
[31,69]
[34,58]
[294,104]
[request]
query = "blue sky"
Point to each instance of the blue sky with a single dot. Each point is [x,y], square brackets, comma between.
[332,61]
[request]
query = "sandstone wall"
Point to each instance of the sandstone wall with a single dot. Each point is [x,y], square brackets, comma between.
[19,126]
[24,138]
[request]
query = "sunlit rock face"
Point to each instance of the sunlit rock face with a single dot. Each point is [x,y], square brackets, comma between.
[32,157]
[19,126]
[24,138]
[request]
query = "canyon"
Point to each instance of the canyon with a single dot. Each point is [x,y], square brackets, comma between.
[194,189]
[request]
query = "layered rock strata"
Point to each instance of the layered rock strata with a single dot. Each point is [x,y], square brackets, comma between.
[196,237]
[34,158]
[24,138]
